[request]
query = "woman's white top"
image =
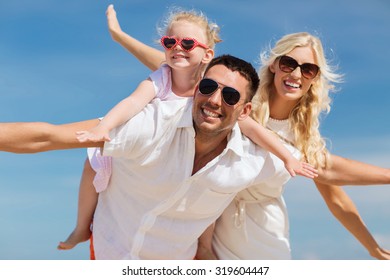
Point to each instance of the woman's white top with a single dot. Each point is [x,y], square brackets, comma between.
[255,225]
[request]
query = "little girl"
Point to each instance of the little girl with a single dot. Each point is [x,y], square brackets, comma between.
[189,46]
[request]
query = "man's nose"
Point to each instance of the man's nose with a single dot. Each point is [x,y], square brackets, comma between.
[216,97]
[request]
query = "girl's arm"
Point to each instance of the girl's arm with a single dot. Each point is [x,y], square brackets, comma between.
[343,208]
[150,57]
[122,112]
[344,171]
[269,141]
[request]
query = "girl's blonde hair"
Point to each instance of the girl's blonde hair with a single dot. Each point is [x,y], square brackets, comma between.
[304,118]
[211,29]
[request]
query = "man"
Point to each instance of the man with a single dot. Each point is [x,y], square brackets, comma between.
[176,165]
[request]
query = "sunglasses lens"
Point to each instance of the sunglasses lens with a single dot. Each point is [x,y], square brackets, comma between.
[309,70]
[230,95]
[169,43]
[187,44]
[287,64]
[207,86]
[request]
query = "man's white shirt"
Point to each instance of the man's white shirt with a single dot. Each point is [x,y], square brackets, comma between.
[154,208]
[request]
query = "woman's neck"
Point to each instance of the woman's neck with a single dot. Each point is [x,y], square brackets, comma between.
[281,109]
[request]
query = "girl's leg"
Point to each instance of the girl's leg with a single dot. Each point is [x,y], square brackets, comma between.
[86,207]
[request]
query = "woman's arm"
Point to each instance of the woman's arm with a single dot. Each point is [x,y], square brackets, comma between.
[269,141]
[150,57]
[122,112]
[344,171]
[205,248]
[343,208]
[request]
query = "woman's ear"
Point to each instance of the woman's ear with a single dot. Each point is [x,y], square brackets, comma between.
[208,56]
[315,81]
[272,68]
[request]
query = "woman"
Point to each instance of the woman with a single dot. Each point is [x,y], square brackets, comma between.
[295,80]
[293,93]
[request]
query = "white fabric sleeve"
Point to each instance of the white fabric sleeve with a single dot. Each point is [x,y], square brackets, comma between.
[135,137]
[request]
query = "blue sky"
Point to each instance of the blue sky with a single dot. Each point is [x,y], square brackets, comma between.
[59,64]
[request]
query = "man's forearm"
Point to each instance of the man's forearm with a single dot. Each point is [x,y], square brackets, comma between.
[39,137]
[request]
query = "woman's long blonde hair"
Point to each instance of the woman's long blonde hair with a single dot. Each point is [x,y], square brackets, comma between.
[304,118]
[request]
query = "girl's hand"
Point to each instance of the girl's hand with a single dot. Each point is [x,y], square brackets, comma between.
[295,167]
[96,134]
[113,23]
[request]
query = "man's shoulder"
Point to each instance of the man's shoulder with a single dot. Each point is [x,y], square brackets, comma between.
[244,146]
[154,125]
[253,150]
[166,108]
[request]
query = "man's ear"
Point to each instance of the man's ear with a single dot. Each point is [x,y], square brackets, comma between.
[208,56]
[196,90]
[246,110]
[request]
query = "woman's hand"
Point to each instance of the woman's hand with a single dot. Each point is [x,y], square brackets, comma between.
[380,254]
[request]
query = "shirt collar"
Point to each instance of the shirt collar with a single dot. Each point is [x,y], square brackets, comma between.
[186,119]
[235,141]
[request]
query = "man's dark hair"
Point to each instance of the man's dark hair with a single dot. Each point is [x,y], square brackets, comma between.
[243,67]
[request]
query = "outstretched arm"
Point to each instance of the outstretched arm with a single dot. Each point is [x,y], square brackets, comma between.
[122,112]
[150,57]
[344,171]
[343,208]
[39,137]
[269,141]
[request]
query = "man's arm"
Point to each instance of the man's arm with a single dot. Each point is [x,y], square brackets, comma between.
[39,137]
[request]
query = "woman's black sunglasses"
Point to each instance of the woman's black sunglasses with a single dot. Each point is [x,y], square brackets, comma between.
[229,95]
[288,64]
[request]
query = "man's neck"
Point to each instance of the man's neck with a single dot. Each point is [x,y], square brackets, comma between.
[206,151]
